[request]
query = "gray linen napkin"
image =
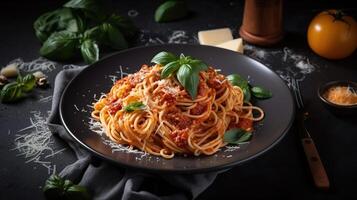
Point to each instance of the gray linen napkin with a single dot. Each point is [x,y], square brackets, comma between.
[106,181]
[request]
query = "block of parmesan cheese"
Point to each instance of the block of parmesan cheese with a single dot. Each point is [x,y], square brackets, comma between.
[234,45]
[215,36]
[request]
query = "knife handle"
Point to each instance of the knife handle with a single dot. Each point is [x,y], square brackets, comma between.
[317,168]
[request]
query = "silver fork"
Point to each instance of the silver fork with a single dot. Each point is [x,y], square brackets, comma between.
[316,166]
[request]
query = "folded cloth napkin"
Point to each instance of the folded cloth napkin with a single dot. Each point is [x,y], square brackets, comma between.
[106,181]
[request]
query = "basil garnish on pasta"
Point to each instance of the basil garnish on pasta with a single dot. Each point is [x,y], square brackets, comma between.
[236,136]
[134,106]
[261,93]
[237,80]
[185,68]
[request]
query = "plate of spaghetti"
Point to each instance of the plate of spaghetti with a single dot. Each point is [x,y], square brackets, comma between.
[177,108]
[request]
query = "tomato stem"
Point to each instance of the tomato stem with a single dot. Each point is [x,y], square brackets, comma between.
[338,16]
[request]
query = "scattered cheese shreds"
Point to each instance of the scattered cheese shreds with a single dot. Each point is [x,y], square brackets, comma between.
[178,37]
[40,64]
[35,143]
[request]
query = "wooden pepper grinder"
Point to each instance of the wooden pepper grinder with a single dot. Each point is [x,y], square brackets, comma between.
[262,22]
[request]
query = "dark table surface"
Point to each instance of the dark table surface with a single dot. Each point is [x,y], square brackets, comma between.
[282,172]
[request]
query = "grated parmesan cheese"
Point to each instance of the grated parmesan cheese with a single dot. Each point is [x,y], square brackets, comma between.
[35,142]
[341,95]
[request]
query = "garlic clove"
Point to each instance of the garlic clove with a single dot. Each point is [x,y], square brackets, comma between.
[10,70]
[38,75]
[42,82]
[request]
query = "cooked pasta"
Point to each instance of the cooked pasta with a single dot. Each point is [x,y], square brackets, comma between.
[159,117]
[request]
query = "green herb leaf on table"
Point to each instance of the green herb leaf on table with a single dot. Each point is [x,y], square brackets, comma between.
[261,93]
[28,82]
[90,51]
[237,80]
[94,9]
[14,91]
[236,136]
[125,25]
[78,24]
[170,11]
[134,106]
[77,192]
[63,31]
[113,37]
[60,45]
[58,188]
[11,92]
[57,20]
[96,33]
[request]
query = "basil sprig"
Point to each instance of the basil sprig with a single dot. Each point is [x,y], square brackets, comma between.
[236,136]
[134,106]
[60,45]
[16,90]
[82,26]
[58,20]
[248,91]
[58,188]
[184,67]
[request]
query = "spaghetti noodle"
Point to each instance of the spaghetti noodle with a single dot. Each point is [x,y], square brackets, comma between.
[165,120]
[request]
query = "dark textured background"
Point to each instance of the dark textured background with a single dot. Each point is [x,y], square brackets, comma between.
[282,172]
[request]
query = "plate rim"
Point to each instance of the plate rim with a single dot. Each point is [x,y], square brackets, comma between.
[177,171]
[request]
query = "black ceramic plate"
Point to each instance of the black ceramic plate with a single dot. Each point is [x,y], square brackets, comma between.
[96,79]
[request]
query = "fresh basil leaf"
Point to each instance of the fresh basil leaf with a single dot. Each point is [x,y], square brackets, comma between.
[244,138]
[96,33]
[236,136]
[108,35]
[134,106]
[94,9]
[189,79]
[170,11]
[19,78]
[77,192]
[237,80]
[246,93]
[261,93]
[28,82]
[76,24]
[54,187]
[45,25]
[58,188]
[113,37]
[232,135]
[90,51]
[57,20]
[60,46]
[197,65]
[125,25]
[169,69]
[11,92]
[163,58]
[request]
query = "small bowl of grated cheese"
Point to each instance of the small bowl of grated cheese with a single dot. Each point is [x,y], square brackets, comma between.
[340,97]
